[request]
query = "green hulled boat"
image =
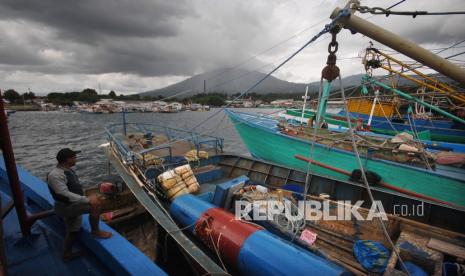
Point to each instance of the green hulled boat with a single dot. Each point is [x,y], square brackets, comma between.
[337,123]
[384,127]
[265,141]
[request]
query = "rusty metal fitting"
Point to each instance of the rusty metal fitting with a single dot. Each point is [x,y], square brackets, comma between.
[331,59]
[333,47]
[330,72]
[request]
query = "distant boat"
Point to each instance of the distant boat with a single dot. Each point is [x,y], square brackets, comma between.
[91,111]
[195,107]
[8,112]
[170,108]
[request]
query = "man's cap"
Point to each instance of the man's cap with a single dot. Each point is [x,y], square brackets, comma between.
[66,153]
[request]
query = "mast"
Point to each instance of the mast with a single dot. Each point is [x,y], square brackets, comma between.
[402,45]
[303,107]
[408,97]
[373,106]
[25,220]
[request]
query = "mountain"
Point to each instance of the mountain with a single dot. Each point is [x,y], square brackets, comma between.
[229,81]
[234,80]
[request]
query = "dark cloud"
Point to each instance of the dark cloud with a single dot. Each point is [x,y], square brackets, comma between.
[138,57]
[13,54]
[437,30]
[101,36]
[90,20]
[146,38]
[157,40]
[441,29]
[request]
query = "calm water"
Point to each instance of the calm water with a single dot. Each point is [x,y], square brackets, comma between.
[37,136]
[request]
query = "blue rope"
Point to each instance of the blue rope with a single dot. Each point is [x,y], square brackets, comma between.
[326,29]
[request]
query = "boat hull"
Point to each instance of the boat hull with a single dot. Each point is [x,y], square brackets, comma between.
[438,130]
[269,144]
[248,247]
[294,116]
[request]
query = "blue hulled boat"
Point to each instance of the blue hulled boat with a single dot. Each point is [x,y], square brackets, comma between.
[192,190]
[438,130]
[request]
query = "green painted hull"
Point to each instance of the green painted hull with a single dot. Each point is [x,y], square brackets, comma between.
[329,118]
[268,145]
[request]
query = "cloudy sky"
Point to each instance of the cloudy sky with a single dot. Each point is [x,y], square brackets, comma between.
[134,46]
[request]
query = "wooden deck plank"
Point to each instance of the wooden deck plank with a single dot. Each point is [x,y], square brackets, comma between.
[447,248]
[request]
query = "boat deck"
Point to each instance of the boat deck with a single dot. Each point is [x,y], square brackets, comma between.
[220,175]
[40,253]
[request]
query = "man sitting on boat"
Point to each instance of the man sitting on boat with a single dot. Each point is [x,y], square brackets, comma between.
[70,202]
[359,125]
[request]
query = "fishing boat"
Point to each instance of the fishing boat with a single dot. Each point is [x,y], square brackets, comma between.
[41,249]
[90,110]
[339,241]
[338,123]
[406,168]
[428,109]
[437,130]
[140,156]
[195,107]
[170,108]
[150,158]
[32,234]
[434,107]
[335,157]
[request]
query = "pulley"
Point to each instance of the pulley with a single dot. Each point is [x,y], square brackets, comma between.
[331,71]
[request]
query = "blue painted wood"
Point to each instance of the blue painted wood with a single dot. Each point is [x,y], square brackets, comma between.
[208,197]
[41,252]
[121,256]
[222,189]
[117,253]
[439,127]
[209,176]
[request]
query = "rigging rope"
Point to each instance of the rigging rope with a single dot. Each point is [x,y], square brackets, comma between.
[365,180]
[257,68]
[461,53]
[266,50]
[326,29]
[396,4]
[387,12]
[416,138]
[211,130]
[176,94]
[309,176]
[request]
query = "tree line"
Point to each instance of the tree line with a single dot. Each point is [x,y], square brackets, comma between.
[90,96]
[16,98]
[87,95]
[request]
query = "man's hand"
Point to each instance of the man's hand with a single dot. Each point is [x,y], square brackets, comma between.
[94,201]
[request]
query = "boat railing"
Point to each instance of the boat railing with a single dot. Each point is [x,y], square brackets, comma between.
[156,148]
[141,155]
[117,132]
[123,151]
